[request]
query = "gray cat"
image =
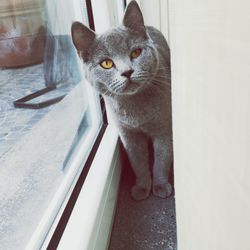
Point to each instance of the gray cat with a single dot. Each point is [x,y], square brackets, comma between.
[130,66]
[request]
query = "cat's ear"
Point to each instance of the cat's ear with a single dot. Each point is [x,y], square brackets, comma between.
[133,18]
[82,37]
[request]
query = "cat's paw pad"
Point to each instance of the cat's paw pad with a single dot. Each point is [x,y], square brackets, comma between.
[163,190]
[140,193]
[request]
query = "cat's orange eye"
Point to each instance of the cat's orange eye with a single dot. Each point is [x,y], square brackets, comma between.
[135,53]
[107,64]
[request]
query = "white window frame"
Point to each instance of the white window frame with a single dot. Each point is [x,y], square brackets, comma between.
[90,223]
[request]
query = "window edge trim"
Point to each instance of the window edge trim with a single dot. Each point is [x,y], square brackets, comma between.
[91,221]
[59,230]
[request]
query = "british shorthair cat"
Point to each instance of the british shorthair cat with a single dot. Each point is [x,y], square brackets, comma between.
[129,66]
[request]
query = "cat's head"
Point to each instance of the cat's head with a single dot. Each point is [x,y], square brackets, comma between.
[122,60]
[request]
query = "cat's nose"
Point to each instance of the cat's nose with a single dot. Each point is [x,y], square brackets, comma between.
[128,73]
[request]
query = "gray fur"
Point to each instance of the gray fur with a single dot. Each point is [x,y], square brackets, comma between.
[141,104]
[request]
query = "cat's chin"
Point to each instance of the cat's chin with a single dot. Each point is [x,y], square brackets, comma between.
[128,92]
[130,89]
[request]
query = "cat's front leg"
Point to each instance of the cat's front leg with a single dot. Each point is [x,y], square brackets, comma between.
[136,146]
[163,157]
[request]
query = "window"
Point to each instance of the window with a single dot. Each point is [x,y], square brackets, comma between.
[49,117]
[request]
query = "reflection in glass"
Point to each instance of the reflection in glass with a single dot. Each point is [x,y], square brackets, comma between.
[41,134]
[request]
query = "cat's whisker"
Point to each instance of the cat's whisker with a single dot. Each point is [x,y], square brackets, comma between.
[120,86]
[107,93]
[160,83]
[140,79]
[162,75]
[161,80]
[113,84]
[162,67]
[142,74]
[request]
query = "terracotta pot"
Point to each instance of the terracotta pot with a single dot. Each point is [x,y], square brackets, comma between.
[22,32]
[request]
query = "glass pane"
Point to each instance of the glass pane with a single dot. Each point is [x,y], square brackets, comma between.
[41,134]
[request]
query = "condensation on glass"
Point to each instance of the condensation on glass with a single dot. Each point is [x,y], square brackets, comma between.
[46,109]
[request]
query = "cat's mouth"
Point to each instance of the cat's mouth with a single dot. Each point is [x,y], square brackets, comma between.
[129,87]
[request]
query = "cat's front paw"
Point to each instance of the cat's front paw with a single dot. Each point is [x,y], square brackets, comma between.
[140,193]
[162,190]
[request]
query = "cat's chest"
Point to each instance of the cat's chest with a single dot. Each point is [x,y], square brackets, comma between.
[140,112]
[133,114]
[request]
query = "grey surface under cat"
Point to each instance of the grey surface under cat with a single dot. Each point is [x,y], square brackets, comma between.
[136,87]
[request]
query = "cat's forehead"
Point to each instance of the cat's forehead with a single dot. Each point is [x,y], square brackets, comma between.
[116,40]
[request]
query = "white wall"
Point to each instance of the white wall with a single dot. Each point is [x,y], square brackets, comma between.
[155,13]
[107,14]
[210,48]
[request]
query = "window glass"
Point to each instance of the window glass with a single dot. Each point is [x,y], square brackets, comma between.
[49,116]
